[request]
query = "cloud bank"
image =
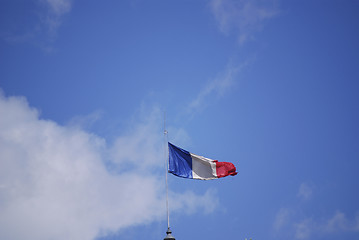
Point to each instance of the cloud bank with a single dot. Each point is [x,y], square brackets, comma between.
[59,182]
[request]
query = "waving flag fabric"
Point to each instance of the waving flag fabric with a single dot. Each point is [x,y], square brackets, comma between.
[188,165]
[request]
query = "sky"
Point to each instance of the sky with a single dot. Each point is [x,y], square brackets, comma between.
[271,86]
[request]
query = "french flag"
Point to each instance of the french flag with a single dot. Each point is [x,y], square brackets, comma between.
[188,165]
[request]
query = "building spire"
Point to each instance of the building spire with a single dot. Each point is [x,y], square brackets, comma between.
[169,236]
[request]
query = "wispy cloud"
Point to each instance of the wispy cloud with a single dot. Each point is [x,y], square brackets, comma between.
[216,87]
[54,11]
[293,223]
[243,17]
[303,229]
[339,222]
[40,27]
[290,222]
[85,121]
[56,182]
[282,218]
[305,191]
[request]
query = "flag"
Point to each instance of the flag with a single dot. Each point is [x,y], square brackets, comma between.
[188,165]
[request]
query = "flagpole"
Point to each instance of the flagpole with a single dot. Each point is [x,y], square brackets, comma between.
[165,133]
[166,161]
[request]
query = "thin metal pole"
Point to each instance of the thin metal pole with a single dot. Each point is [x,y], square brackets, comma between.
[166,161]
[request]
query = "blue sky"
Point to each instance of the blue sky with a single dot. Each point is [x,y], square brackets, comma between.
[271,86]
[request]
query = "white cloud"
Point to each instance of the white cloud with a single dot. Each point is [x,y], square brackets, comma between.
[190,202]
[126,151]
[55,184]
[244,17]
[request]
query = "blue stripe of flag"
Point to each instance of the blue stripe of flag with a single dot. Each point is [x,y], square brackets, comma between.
[180,162]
